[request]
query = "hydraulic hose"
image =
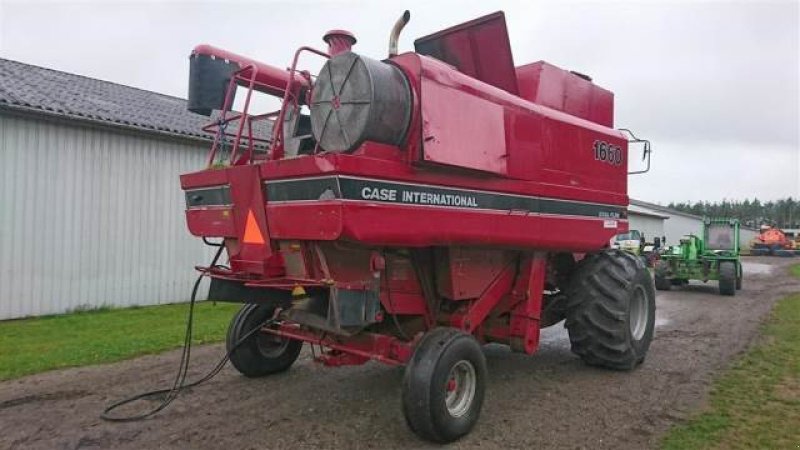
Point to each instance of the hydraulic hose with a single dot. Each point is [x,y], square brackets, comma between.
[179,384]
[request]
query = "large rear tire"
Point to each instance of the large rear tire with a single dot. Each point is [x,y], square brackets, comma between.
[611,317]
[444,385]
[727,278]
[259,354]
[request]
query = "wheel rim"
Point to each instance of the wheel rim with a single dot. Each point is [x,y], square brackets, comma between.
[270,345]
[460,388]
[639,311]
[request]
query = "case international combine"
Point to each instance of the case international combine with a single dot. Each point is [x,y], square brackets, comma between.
[409,210]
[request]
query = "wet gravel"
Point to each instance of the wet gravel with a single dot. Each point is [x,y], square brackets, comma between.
[549,400]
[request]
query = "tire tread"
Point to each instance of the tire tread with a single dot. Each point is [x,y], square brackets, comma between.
[598,309]
[727,278]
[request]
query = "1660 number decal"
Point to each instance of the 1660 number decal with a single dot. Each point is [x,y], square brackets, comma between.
[609,153]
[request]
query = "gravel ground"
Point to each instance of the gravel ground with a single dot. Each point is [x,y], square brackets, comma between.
[548,400]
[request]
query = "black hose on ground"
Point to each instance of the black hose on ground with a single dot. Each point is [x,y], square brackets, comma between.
[179,384]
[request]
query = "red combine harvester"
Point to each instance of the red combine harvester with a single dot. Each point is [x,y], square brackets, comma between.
[410,210]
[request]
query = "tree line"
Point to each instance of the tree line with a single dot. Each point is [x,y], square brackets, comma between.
[784,213]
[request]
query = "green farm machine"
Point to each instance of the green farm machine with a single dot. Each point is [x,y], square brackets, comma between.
[714,257]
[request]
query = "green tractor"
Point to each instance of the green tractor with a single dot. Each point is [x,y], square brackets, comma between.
[714,257]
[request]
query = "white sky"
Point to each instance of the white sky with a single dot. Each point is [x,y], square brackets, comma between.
[714,85]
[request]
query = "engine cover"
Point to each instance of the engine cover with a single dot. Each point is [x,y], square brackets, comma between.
[358,99]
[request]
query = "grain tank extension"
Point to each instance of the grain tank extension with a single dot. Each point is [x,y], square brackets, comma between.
[408,210]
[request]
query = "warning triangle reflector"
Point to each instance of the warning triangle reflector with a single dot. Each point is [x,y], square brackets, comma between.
[252,234]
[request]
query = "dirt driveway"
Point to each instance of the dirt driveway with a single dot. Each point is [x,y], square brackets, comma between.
[549,400]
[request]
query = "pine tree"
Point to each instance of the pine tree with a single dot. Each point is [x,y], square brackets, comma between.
[782,213]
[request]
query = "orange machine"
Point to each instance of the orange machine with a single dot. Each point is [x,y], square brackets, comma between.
[773,241]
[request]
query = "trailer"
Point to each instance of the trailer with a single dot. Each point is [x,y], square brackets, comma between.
[411,209]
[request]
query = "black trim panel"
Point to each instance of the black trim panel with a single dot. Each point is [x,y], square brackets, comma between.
[326,188]
[216,196]
[363,189]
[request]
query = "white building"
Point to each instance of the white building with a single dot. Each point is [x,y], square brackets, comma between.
[91,210]
[643,216]
[647,221]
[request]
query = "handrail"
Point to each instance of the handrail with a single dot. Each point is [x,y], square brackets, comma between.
[277,131]
[275,142]
[646,152]
[227,116]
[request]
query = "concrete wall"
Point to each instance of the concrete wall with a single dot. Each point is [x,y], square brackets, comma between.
[92,217]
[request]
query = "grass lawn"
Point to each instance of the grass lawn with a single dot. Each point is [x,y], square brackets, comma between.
[795,270]
[756,404]
[38,344]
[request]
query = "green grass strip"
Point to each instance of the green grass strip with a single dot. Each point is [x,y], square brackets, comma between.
[29,346]
[755,404]
[795,270]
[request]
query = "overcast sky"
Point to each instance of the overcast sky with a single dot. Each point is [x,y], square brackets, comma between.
[714,85]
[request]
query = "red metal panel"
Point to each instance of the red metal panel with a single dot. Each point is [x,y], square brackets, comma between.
[408,225]
[402,293]
[567,158]
[602,107]
[476,142]
[405,225]
[411,226]
[478,48]
[403,303]
[541,144]
[211,222]
[542,84]
[548,85]
[464,273]
[204,178]
[317,221]
[249,212]
[525,135]
[578,96]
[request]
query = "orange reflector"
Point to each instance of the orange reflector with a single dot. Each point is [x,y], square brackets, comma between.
[252,234]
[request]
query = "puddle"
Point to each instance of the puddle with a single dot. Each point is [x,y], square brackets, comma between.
[555,336]
[661,321]
[751,268]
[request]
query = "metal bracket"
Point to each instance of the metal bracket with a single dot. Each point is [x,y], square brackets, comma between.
[524,327]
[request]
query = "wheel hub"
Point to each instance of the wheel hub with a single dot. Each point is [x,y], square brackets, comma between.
[639,312]
[270,345]
[460,388]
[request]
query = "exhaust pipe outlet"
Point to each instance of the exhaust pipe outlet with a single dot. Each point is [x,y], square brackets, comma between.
[394,36]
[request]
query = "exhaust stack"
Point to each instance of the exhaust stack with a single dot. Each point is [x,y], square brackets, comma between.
[394,36]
